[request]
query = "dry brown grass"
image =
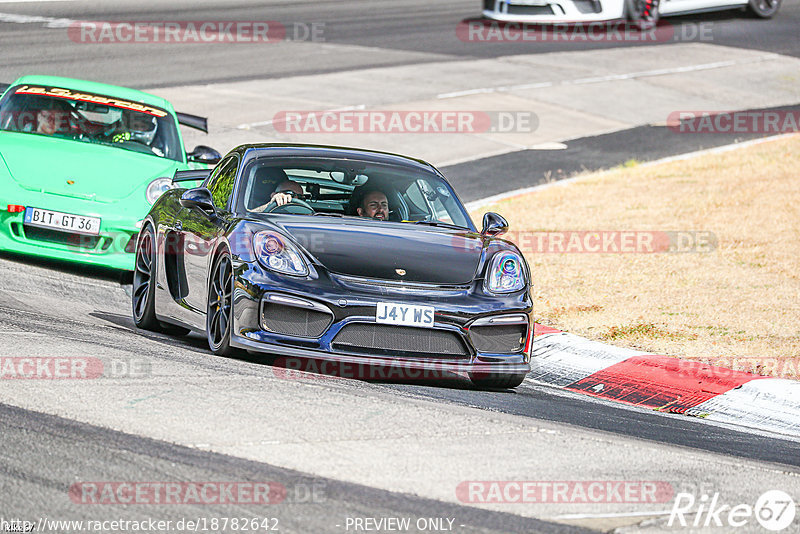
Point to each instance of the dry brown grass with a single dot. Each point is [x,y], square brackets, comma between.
[738,306]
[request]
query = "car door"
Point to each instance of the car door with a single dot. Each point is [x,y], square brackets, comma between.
[200,231]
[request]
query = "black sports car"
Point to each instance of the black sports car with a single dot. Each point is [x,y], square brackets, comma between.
[336,254]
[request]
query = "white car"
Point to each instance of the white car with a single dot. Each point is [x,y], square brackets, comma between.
[643,12]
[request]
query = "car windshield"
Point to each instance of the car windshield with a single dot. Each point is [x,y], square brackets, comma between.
[91,118]
[351,188]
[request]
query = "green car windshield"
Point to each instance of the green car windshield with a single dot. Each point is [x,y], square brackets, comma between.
[91,118]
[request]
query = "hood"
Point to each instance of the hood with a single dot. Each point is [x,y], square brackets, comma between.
[375,250]
[101,173]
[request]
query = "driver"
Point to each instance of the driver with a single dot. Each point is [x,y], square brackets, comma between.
[374,205]
[274,182]
[142,127]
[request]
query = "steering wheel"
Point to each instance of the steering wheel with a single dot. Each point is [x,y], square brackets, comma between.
[297,206]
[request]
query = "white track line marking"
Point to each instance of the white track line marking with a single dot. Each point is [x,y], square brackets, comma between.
[612,77]
[47,22]
[477,204]
[621,514]
[250,125]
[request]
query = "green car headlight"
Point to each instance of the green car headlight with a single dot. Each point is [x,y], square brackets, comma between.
[506,273]
[275,253]
[157,188]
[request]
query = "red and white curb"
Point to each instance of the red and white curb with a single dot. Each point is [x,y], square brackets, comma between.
[664,383]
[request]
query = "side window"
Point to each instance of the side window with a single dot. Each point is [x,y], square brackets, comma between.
[221,181]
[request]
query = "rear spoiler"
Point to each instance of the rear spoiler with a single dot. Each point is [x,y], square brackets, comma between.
[193,121]
[191,175]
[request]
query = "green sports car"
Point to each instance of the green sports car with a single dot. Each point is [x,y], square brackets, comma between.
[82,162]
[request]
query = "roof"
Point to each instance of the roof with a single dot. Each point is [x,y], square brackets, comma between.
[326,151]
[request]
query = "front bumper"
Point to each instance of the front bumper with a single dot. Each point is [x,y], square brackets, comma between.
[113,247]
[554,11]
[351,303]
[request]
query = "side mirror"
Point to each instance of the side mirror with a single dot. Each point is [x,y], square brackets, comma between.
[493,225]
[204,154]
[199,197]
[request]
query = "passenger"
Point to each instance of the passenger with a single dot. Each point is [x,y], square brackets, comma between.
[374,205]
[53,119]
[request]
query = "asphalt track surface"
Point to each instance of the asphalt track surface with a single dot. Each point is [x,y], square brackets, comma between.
[56,448]
[42,453]
[397,33]
[526,168]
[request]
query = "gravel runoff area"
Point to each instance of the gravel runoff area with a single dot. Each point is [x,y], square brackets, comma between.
[694,258]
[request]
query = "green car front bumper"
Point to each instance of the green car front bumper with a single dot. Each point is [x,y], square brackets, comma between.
[113,247]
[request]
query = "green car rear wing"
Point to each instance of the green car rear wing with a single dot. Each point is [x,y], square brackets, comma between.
[191,175]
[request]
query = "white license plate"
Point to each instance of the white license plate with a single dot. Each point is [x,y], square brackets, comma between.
[66,222]
[404,314]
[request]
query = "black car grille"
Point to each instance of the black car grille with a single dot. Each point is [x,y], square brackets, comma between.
[294,321]
[81,241]
[401,341]
[501,339]
[529,10]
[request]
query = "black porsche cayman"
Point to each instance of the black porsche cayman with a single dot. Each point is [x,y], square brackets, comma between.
[292,250]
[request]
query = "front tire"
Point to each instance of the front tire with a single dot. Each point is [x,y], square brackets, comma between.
[642,13]
[764,9]
[220,306]
[497,380]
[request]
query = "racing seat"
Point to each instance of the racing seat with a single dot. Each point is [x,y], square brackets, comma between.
[263,184]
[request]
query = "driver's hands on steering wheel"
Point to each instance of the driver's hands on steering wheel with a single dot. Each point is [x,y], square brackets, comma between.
[281,198]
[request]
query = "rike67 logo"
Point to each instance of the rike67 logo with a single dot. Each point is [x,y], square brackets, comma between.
[774,510]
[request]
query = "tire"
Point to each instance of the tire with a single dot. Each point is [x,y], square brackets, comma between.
[764,9]
[143,300]
[642,13]
[497,380]
[143,297]
[219,310]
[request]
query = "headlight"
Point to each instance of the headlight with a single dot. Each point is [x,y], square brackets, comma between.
[506,273]
[277,254]
[157,188]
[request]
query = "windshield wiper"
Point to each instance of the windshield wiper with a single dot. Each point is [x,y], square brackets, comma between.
[327,214]
[442,224]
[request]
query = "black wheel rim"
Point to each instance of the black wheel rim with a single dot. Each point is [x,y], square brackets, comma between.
[142,275]
[219,302]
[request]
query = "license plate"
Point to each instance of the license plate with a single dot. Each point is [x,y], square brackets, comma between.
[404,314]
[65,222]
